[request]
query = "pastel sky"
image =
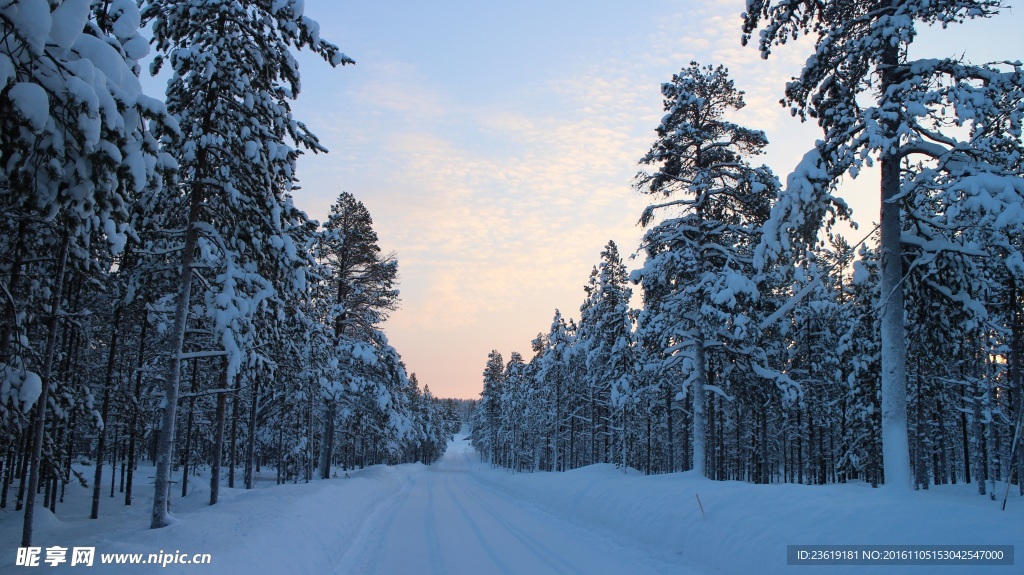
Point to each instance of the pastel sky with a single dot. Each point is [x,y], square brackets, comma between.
[494,143]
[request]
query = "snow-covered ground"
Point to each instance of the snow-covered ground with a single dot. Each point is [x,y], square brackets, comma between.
[461,516]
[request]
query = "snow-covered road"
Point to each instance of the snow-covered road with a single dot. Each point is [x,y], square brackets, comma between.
[445,520]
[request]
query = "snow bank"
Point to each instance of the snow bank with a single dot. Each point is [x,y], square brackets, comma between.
[746,528]
[302,528]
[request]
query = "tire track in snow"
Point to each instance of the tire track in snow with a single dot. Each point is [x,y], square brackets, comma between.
[431,525]
[475,527]
[539,548]
[372,534]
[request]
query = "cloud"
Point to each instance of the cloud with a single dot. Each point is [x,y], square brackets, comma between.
[498,202]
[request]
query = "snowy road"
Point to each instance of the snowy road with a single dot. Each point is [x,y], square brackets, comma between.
[446,521]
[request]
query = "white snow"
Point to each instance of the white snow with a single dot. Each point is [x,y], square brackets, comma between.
[462,516]
[68,23]
[19,385]
[30,100]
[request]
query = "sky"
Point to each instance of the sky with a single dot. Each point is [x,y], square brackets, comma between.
[495,143]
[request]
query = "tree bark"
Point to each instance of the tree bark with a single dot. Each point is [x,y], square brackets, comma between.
[164,461]
[327,441]
[895,440]
[251,448]
[188,428]
[697,391]
[218,436]
[101,442]
[133,425]
[40,422]
[235,415]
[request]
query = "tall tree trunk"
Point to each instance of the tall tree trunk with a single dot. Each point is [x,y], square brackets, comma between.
[992,434]
[26,456]
[943,471]
[47,369]
[979,456]
[966,446]
[670,436]
[235,415]
[309,438]
[188,427]
[921,469]
[895,441]
[697,391]
[133,425]
[114,462]
[113,466]
[624,469]
[12,462]
[10,307]
[251,448]
[101,442]
[799,444]
[164,461]
[1016,374]
[556,443]
[763,457]
[572,442]
[650,444]
[218,435]
[711,445]
[327,441]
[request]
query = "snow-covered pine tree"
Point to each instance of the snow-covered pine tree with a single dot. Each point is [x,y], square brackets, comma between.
[609,349]
[552,375]
[233,75]
[700,255]
[490,408]
[862,49]
[360,282]
[514,403]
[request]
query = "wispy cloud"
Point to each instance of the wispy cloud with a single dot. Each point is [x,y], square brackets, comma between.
[499,206]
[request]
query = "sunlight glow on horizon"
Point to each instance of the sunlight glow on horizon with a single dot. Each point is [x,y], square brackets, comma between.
[495,147]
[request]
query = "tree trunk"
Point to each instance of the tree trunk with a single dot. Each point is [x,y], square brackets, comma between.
[670,435]
[113,466]
[979,456]
[164,462]
[309,439]
[218,436]
[966,446]
[101,442]
[188,427]
[697,391]
[11,462]
[942,470]
[251,447]
[10,307]
[895,441]
[235,415]
[327,441]
[133,426]
[47,369]
[26,456]
[921,469]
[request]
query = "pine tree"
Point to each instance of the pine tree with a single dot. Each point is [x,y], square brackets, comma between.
[490,407]
[360,281]
[232,78]
[699,263]
[609,353]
